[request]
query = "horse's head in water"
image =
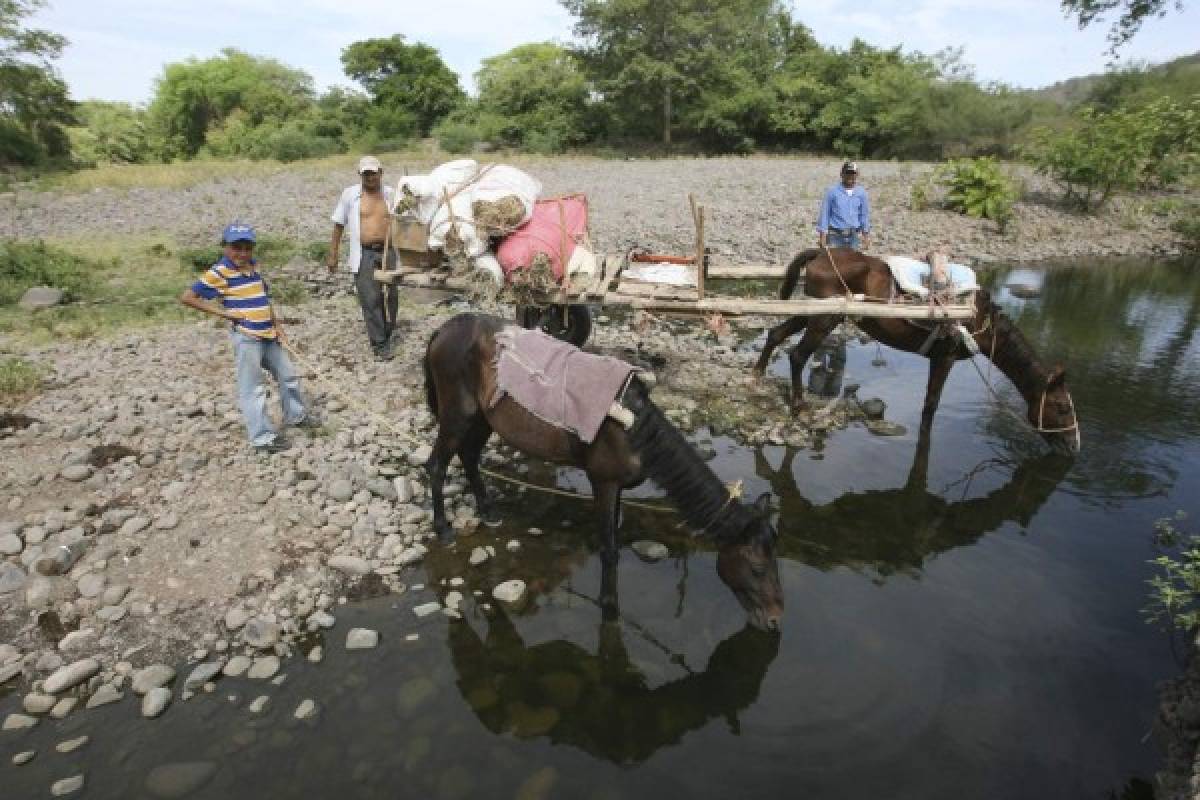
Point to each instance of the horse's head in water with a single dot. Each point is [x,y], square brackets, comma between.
[1052,414]
[748,566]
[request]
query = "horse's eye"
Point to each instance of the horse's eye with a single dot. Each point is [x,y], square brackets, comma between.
[759,570]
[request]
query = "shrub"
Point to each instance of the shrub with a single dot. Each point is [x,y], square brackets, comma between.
[18,379]
[1175,591]
[27,264]
[978,188]
[1109,152]
[1187,225]
[457,137]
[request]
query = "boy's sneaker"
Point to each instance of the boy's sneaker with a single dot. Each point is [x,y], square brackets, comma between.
[276,445]
[384,354]
[310,422]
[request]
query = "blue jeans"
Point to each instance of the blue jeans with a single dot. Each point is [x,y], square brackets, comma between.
[252,355]
[838,240]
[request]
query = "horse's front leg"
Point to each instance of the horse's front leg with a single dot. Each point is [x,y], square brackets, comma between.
[775,337]
[608,505]
[816,332]
[443,449]
[941,360]
[469,453]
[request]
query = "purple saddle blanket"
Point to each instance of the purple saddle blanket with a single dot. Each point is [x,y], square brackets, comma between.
[557,382]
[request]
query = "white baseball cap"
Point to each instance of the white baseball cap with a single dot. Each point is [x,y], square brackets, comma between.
[369,164]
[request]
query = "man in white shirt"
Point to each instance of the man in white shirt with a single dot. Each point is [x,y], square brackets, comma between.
[363,212]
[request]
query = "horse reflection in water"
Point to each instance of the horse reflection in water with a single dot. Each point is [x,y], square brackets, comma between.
[600,702]
[898,530]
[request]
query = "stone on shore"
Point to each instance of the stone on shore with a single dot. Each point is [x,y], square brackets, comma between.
[155,702]
[106,694]
[67,786]
[511,593]
[152,677]
[306,710]
[351,565]
[39,297]
[18,722]
[71,675]
[361,639]
[650,551]
[263,668]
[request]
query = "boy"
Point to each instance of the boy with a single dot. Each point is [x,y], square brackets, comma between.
[257,337]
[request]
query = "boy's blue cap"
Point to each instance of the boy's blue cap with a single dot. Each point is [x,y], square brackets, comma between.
[238,232]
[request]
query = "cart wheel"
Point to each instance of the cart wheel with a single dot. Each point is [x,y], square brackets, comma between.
[575,329]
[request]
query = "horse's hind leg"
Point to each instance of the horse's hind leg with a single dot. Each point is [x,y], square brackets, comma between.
[816,332]
[469,453]
[775,337]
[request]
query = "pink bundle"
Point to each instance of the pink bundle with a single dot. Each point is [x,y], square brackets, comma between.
[556,226]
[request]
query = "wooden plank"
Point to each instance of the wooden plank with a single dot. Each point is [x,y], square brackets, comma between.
[792,308]
[747,271]
[661,291]
[613,264]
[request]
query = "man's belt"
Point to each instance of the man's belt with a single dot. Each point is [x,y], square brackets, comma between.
[845,231]
[378,247]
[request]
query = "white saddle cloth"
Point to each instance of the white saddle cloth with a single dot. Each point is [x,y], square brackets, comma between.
[912,276]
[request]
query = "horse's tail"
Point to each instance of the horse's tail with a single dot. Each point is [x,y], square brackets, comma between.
[430,387]
[792,276]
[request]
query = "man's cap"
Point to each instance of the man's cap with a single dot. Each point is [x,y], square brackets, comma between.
[850,166]
[238,232]
[369,164]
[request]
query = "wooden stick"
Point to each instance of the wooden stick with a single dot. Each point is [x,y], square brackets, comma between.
[698,223]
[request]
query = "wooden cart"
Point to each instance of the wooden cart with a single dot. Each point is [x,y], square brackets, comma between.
[566,313]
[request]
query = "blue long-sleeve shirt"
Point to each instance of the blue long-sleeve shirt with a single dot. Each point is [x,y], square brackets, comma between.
[843,210]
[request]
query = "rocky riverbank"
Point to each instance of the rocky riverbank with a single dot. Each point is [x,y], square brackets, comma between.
[760,210]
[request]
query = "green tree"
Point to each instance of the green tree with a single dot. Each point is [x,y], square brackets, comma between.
[408,83]
[35,107]
[110,133]
[534,94]
[1131,14]
[195,97]
[659,60]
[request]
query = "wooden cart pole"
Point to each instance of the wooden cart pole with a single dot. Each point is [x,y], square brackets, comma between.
[698,222]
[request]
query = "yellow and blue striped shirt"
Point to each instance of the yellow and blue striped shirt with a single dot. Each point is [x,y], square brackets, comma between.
[242,292]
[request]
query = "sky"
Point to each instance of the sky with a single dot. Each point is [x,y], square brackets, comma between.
[118,47]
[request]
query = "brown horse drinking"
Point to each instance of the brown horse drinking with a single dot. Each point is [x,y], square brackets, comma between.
[460,378]
[1051,411]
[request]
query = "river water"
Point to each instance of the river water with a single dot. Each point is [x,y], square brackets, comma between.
[969,629]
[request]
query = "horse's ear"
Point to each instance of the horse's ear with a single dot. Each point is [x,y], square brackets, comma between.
[763,504]
[1057,377]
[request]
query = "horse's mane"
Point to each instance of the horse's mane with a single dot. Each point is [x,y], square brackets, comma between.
[1013,353]
[673,464]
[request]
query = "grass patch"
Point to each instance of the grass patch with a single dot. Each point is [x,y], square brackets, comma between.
[121,282]
[183,174]
[27,264]
[19,380]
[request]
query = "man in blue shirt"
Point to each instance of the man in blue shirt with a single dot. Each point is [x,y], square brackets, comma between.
[845,213]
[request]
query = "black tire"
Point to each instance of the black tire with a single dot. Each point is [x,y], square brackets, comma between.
[575,329]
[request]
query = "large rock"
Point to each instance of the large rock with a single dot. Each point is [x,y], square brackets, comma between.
[341,490]
[382,487]
[202,674]
[37,297]
[263,668]
[511,593]
[77,472]
[66,786]
[351,565]
[260,633]
[71,675]
[11,544]
[104,695]
[361,639]
[152,677]
[650,551]
[12,577]
[43,593]
[155,702]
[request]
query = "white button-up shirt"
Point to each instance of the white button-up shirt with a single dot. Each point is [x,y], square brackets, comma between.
[347,214]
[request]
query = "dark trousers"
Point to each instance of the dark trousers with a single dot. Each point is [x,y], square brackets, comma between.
[371,298]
